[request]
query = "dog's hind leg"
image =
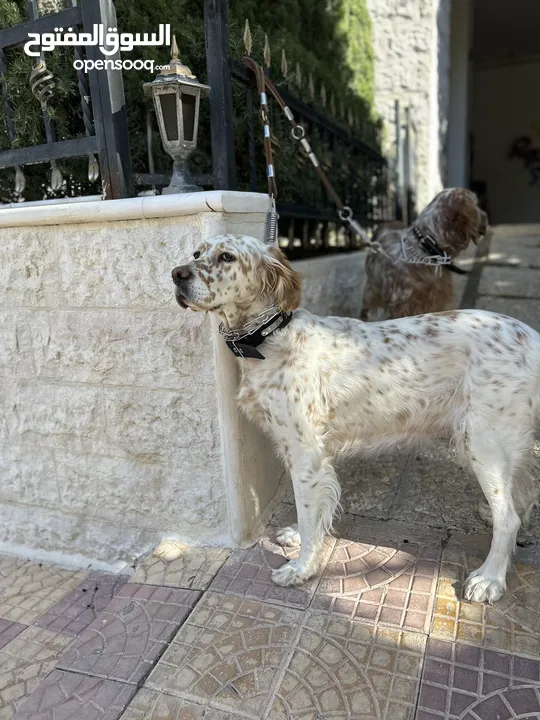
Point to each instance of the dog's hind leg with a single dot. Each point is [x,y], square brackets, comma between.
[317,493]
[494,462]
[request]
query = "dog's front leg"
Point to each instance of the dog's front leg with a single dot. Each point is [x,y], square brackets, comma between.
[316,492]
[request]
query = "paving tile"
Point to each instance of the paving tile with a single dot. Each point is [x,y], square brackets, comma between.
[500,626]
[24,662]
[247,573]
[258,660]
[29,589]
[435,491]
[150,705]
[80,607]
[9,630]
[388,584]
[347,670]
[460,681]
[176,564]
[509,282]
[69,696]
[128,636]
[369,486]
[228,654]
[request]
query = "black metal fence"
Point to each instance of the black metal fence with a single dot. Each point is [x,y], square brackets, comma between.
[309,224]
[105,139]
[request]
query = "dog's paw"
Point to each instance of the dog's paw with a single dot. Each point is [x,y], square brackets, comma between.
[291,574]
[288,536]
[485,513]
[479,588]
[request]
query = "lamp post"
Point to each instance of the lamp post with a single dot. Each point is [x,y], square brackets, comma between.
[177,93]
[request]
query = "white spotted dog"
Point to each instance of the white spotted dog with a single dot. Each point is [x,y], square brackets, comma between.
[320,386]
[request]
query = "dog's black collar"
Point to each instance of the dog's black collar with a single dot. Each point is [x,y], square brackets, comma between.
[244,343]
[430,247]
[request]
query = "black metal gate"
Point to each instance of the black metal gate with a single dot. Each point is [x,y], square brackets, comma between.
[101,97]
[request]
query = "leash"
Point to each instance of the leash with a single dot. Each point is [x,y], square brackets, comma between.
[298,132]
[438,257]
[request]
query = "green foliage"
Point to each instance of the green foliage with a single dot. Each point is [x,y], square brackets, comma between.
[330,39]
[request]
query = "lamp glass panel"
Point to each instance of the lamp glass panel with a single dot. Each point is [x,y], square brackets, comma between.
[170,118]
[189,104]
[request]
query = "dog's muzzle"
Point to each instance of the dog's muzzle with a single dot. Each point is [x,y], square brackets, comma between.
[181,276]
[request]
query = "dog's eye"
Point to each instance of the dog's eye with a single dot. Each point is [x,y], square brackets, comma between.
[197,255]
[227,257]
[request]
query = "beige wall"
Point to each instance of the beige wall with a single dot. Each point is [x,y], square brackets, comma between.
[411,40]
[119,423]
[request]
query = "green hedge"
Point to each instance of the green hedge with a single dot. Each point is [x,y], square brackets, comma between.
[331,39]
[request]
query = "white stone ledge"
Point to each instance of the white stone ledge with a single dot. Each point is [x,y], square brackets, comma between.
[156,206]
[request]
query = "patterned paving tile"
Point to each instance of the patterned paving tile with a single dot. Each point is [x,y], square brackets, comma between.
[128,636]
[258,660]
[80,607]
[228,654]
[502,626]
[176,564]
[150,705]
[247,573]
[473,683]
[68,696]
[391,583]
[8,631]
[29,589]
[24,662]
[347,670]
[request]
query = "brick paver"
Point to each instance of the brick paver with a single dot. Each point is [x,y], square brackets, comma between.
[176,564]
[24,663]
[247,573]
[470,683]
[126,639]
[80,607]
[390,584]
[29,589]
[8,631]
[69,696]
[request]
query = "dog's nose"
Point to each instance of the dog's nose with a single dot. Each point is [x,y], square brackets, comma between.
[180,274]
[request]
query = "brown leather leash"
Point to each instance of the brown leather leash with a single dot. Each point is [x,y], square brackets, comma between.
[299,134]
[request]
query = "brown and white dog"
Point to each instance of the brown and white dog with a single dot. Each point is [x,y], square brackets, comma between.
[401,288]
[321,386]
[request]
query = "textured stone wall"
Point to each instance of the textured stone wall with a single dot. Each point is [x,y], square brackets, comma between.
[114,424]
[412,48]
[333,285]
[118,420]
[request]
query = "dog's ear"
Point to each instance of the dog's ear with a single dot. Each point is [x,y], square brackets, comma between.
[281,282]
[484,222]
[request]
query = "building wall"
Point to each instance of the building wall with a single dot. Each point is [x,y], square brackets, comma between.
[412,48]
[506,106]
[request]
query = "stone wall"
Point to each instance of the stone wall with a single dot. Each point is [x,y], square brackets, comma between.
[411,39]
[333,285]
[118,419]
